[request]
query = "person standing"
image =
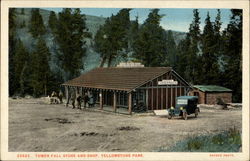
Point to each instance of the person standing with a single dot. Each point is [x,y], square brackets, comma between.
[73,98]
[85,99]
[78,100]
[60,96]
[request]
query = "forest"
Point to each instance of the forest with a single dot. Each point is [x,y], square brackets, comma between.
[205,56]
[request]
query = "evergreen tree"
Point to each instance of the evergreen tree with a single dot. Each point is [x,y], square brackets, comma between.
[101,45]
[70,35]
[116,34]
[232,55]
[36,27]
[52,21]
[171,49]
[12,42]
[217,26]
[25,80]
[22,25]
[133,33]
[150,46]
[112,38]
[192,72]
[20,58]
[22,11]
[182,54]
[40,69]
[209,57]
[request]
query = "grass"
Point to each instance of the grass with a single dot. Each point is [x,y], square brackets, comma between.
[228,141]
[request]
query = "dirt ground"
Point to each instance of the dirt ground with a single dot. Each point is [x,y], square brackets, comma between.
[37,126]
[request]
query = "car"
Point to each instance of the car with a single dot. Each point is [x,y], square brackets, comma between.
[185,105]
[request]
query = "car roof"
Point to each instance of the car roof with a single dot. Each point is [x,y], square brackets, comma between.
[187,97]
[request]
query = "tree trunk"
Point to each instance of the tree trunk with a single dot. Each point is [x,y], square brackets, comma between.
[109,61]
[103,61]
[45,90]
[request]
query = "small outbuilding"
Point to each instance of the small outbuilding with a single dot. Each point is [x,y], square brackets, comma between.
[208,94]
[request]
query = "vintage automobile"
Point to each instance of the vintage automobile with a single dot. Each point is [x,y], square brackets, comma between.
[185,105]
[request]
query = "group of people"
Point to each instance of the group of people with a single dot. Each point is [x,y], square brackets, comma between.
[75,97]
[76,100]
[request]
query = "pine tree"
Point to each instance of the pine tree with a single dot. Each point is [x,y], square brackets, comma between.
[192,73]
[182,54]
[12,42]
[40,68]
[209,57]
[112,38]
[217,26]
[171,49]
[117,34]
[133,33]
[22,11]
[52,21]
[25,79]
[22,25]
[232,55]
[36,27]
[150,46]
[101,45]
[20,58]
[70,35]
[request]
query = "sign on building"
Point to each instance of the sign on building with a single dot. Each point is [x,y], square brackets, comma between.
[167,82]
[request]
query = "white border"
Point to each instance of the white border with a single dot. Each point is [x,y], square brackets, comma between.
[5,155]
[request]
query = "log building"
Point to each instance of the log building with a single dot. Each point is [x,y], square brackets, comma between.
[125,85]
[208,94]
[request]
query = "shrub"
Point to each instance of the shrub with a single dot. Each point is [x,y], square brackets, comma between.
[194,144]
[228,141]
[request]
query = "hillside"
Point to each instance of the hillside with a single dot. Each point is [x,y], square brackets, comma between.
[91,60]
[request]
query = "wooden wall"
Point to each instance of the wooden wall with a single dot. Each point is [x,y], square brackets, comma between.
[211,98]
[164,96]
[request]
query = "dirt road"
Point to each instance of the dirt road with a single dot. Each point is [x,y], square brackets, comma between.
[36,126]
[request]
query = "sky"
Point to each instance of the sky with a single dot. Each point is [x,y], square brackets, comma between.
[177,19]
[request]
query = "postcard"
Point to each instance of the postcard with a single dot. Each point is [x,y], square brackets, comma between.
[124,80]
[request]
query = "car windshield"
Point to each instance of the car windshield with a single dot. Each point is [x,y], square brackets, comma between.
[182,101]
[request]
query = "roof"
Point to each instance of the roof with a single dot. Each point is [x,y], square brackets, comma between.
[115,78]
[212,88]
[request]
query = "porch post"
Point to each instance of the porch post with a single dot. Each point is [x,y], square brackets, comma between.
[67,95]
[147,99]
[114,102]
[130,103]
[101,100]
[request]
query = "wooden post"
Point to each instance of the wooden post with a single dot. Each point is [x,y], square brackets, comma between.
[130,103]
[161,96]
[66,92]
[152,98]
[147,98]
[67,95]
[101,100]
[171,95]
[114,103]
[157,95]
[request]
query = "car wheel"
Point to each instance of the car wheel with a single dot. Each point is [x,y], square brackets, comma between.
[196,112]
[184,115]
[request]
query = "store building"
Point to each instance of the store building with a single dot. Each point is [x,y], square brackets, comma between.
[129,84]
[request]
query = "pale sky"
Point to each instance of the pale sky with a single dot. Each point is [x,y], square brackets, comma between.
[177,19]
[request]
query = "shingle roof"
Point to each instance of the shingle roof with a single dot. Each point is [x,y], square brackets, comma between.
[212,88]
[117,78]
